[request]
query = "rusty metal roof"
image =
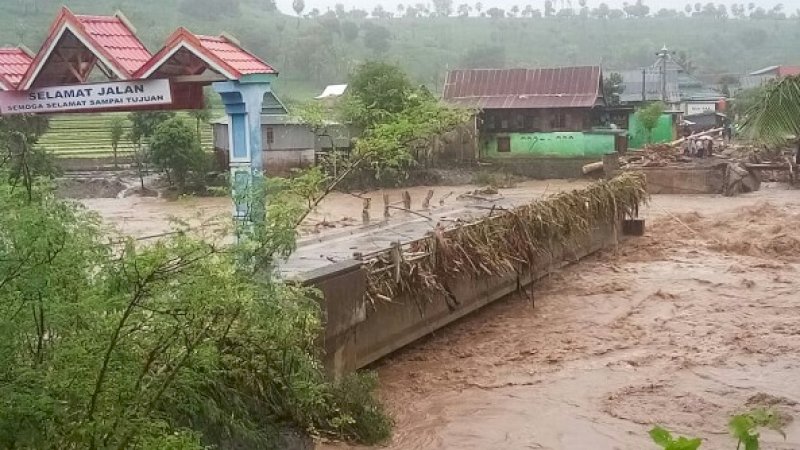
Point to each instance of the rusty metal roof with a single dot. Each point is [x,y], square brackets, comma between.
[14,62]
[564,87]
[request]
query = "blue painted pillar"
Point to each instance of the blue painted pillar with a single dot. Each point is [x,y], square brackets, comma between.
[243,100]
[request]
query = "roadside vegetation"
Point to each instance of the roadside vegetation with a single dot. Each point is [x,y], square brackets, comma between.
[182,343]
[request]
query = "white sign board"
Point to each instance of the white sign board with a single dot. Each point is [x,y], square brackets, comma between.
[87,97]
[700,108]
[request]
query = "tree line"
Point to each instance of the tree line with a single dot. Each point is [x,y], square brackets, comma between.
[637,9]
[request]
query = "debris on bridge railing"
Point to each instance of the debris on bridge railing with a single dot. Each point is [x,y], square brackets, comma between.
[506,242]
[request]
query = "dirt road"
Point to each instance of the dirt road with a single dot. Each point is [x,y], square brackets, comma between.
[684,327]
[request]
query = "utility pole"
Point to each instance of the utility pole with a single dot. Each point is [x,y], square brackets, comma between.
[644,86]
[662,63]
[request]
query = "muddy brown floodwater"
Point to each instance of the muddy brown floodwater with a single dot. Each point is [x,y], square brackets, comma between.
[694,322]
[684,327]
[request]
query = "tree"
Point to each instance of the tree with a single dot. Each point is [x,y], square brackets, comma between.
[377,38]
[549,9]
[117,132]
[484,57]
[514,11]
[339,10]
[349,30]
[649,117]
[771,114]
[21,159]
[174,149]
[602,11]
[380,13]
[443,8]
[527,12]
[688,9]
[464,10]
[612,87]
[157,346]
[375,92]
[479,7]
[496,13]
[201,116]
[637,9]
[298,6]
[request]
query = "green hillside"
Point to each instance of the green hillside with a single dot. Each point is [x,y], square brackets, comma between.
[88,136]
[314,51]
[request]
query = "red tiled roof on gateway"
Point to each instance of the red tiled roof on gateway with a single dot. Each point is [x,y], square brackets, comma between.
[14,62]
[236,57]
[118,39]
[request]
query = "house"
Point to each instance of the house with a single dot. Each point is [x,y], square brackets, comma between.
[767,74]
[668,81]
[288,142]
[544,122]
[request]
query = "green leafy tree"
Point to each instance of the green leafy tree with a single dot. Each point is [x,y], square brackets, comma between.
[649,117]
[174,149]
[375,92]
[377,38]
[202,117]
[24,160]
[143,125]
[613,87]
[117,132]
[349,30]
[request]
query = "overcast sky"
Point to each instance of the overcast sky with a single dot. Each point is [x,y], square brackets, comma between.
[286,5]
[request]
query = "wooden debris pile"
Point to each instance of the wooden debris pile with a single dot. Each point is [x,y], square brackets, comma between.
[503,243]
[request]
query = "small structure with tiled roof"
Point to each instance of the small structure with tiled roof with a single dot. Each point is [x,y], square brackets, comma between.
[14,62]
[188,54]
[80,49]
[76,45]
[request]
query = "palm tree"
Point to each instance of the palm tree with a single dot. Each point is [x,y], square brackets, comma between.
[775,116]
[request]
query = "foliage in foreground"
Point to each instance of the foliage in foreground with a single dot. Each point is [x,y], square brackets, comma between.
[743,427]
[169,345]
[774,116]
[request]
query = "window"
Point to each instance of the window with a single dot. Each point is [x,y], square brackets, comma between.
[504,144]
[270,135]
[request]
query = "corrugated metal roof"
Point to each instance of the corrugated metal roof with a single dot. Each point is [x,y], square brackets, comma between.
[14,62]
[565,87]
[632,86]
[117,39]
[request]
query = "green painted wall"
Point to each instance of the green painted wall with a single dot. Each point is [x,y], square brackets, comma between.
[551,145]
[661,133]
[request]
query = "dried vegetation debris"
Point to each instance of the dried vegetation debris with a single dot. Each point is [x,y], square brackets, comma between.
[502,243]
